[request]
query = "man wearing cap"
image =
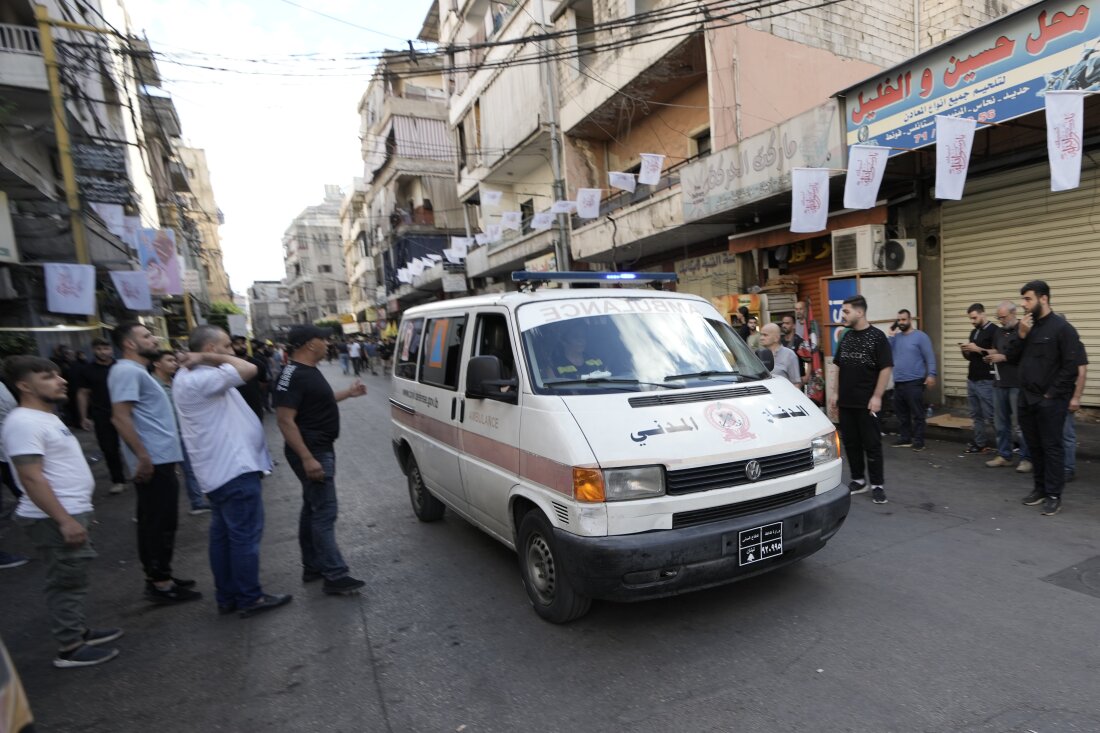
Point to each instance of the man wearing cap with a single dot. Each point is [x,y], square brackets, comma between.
[309,419]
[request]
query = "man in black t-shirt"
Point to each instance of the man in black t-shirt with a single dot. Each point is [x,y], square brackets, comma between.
[93,401]
[309,419]
[253,389]
[979,378]
[865,363]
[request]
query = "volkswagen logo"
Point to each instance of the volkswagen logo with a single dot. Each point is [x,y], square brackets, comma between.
[752,470]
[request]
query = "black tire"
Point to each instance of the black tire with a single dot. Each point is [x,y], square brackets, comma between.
[426,507]
[544,578]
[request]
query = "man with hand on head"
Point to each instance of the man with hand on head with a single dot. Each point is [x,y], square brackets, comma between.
[309,419]
[225,440]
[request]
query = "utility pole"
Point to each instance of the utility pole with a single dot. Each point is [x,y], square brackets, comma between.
[561,247]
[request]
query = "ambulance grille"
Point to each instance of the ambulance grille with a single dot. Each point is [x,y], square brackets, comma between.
[724,475]
[741,509]
[679,398]
[562,511]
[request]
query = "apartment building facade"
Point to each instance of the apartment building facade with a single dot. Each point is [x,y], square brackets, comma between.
[269,310]
[316,280]
[202,209]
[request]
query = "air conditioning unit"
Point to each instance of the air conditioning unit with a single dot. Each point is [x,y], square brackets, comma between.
[866,249]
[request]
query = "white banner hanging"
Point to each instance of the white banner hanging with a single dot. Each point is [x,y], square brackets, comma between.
[403,276]
[542,220]
[113,216]
[623,181]
[453,256]
[563,207]
[70,288]
[866,164]
[495,232]
[809,199]
[133,286]
[650,174]
[954,138]
[1065,128]
[489,197]
[481,238]
[588,203]
[461,245]
[511,220]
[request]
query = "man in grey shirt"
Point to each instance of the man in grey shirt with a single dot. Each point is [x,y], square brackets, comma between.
[786,361]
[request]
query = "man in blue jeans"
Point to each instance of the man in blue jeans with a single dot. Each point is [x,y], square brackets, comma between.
[225,440]
[309,419]
[979,378]
[1069,432]
[1006,393]
[914,369]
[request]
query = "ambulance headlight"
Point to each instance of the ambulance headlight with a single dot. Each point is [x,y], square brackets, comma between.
[621,484]
[826,448]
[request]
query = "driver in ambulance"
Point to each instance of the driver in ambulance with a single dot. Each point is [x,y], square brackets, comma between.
[572,359]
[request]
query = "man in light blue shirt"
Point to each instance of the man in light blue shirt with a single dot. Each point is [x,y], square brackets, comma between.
[914,369]
[143,416]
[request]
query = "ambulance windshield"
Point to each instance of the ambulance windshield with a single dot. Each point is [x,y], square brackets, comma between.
[600,345]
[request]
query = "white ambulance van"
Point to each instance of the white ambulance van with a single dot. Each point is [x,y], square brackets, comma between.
[626,443]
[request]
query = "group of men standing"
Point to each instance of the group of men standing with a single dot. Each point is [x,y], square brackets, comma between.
[203,413]
[1029,372]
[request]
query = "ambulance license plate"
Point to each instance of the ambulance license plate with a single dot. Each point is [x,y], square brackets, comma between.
[754,545]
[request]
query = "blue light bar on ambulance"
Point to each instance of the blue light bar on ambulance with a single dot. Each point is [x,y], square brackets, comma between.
[593,277]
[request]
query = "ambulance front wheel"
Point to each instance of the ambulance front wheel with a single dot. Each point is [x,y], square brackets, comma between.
[426,507]
[543,575]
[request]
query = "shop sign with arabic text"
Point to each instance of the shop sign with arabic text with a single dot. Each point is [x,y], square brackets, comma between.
[994,74]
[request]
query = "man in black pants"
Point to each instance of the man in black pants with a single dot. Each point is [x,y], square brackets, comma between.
[93,401]
[865,363]
[1046,348]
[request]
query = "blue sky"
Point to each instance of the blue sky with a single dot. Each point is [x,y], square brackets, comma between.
[272,142]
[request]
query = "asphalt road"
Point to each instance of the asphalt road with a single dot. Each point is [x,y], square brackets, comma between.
[935,612]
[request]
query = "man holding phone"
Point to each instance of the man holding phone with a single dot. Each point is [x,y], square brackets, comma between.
[979,378]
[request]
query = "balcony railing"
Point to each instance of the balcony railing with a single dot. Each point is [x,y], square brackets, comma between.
[622,199]
[19,39]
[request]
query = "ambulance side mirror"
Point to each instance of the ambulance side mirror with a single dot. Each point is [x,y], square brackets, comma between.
[766,356]
[484,381]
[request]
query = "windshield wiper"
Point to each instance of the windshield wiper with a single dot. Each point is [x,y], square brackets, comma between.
[707,373]
[609,380]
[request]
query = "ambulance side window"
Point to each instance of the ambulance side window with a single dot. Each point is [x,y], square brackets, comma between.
[442,351]
[408,349]
[493,340]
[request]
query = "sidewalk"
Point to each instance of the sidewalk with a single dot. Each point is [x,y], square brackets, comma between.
[959,430]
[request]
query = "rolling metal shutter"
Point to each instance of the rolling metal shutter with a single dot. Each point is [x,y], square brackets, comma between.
[1009,228]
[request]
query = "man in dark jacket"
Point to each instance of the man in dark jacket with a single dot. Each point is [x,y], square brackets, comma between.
[1046,350]
[252,390]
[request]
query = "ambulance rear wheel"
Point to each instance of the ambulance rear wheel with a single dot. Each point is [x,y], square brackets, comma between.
[544,578]
[426,507]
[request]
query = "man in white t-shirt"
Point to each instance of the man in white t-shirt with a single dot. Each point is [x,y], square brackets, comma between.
[225,441]
[355,351]
[56,505]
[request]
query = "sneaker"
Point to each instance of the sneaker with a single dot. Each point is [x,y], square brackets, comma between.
[857,487]
[903,443]
[8,560]
[974,448]
[1070,475]
[1024,466]
[1034,498]
[117,488]
[181,583]
[918,447]
[343,586]
[267,602]
[199,510]
[308,576]
[83,656]
[1051,506]
[173,595]
[998,462]
[95,637]
[878,495]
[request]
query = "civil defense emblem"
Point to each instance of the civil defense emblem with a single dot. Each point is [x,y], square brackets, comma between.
[733,423]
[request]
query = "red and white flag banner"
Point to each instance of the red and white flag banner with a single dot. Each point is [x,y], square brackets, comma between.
[133,286]
[70,288]
[809,199]
[622,181]
[588,203]
[954,139]
[1065,126]
[511,220]
[652,165]
[866,164]
[542,220]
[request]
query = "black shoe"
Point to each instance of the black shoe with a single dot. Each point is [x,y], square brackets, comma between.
[1034,498]
[180,583]
[173,595]
[83,656]
[878,495]
[308,576]
[855,487]
[343,586]
[1051,506]
[226,610]
[903,443]
[918,447]
[266,603]
[95,637]
[974,448]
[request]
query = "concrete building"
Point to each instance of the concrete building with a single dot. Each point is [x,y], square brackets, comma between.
[268,310]
[316,279]
[202,209]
